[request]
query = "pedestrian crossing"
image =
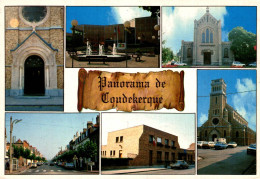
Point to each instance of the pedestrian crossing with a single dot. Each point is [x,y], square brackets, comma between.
[46,171]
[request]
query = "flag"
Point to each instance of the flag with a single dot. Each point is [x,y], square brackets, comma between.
[154,141]
[118,30]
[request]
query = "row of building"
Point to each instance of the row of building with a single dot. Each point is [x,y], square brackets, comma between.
[25,145]
[91,133]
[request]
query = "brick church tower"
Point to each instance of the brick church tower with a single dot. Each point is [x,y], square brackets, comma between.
[224,121]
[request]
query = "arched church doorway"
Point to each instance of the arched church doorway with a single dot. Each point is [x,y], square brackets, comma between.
[34,76]
[207,58]
[214,136]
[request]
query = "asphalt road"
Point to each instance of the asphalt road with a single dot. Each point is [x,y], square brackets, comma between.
[231,161]
[52,170]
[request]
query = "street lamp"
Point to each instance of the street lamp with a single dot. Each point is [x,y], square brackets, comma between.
[157,28]
[11,132]
[74,23]
[126,25]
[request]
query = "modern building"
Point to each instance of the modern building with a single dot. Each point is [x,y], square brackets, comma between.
[34,51]
[140,32]
[223,120]
[207,47]
[144,146]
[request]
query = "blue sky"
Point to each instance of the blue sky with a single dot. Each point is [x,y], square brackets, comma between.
[178,22]
[48,132]
[102,15]
[236,81]
[181,125]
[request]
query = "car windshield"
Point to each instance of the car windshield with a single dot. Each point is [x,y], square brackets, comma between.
[253,145]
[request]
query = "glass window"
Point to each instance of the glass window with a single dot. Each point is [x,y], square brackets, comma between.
[159,156]
[34,13]
[150,138]
[121,138]
[117,139]
[189,53]
[211,37]
[166,142]
[203,37]
[159,140]
[173,143]
[226,53]
[207,36]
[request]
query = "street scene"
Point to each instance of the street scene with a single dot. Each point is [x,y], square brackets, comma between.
[146,144]
[226,137]
[61,143]
[228,161]
[209,37]
[126,37]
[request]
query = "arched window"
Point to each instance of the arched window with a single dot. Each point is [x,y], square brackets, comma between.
[226,53]
[203,37]
[207,36]
[211,37]
[237,134]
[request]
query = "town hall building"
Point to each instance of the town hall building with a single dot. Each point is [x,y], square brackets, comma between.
[34,54]
[207,47]
[223,120]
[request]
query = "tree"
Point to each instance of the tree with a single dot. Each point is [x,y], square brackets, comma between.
[243,43]
[26,153]
[167,54]
[155,10]
[87,150]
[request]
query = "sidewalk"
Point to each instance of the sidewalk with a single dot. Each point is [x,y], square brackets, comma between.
[15,172]
[134,170]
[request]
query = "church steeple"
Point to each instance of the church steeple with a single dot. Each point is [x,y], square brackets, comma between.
[207,9]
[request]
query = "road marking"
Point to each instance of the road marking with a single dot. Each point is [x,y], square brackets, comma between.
[44,170]
[51,170]
[59,170]
[37,170]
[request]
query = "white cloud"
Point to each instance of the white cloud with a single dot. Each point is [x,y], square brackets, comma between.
[123,14]
[178,24]
[245,103]
[202,119]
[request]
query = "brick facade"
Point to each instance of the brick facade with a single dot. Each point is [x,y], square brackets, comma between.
[50,38]
[139,144]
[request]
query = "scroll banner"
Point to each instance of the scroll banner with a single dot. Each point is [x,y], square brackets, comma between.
[98,90]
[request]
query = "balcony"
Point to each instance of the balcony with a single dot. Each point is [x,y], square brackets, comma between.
[167,146]
[173,147]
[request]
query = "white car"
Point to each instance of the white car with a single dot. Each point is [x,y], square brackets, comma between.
[180,64]
[252,64]
[238,64]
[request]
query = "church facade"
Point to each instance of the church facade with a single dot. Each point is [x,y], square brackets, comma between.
[34,51]
[223,120]
[207,47]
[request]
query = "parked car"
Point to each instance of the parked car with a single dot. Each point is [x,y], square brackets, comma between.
[200,143]
[34,165]
[220,145]
[69,166]
[52,164]
[180,64]
[238,64]
[252,64]
[60,163]
[208,145]
[173,62]
[232,144]
[179,164]
[251,149]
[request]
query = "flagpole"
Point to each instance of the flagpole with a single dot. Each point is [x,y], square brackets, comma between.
[117,36]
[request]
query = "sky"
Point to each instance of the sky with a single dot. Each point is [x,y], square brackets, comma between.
[178,22]
[181,125]
[102,15]
[236,81]
[48,132]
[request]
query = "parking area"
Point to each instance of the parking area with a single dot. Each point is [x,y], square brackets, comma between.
[228,161]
